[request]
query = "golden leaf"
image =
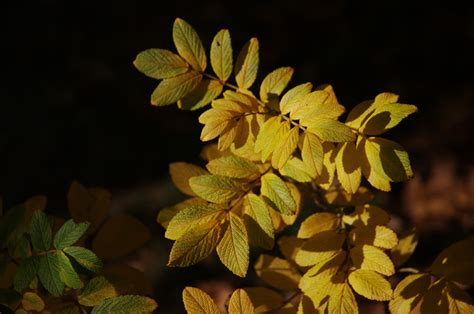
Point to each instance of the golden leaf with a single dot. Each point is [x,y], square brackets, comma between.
[371,285]
[197,301]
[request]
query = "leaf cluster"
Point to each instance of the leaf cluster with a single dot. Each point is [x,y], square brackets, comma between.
[273,153]
[46,265]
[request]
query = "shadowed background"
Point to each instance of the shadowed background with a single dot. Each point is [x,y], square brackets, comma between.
[74,107]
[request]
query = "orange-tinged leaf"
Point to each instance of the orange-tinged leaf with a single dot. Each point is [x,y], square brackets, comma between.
[120,236]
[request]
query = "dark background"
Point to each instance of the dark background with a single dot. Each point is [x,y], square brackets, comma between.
[74,107]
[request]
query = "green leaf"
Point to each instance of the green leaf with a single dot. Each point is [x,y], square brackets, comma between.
[201,96]
[41,234]
[26,272]
[294,97]
[233,249]
[215,189]
[234,167]
[246,66]
[69,233]
[221,55]
[66,272]
[277,194]
[197,301]
[259,223]
[329,130]
[97,290]
[189,45]
[84,257]
[126,304]
[160,63]
[173,89]
[195,245]
[49,274]
[275,82]
[190,217]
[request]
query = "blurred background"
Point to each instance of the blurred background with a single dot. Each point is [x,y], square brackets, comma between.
[74,107]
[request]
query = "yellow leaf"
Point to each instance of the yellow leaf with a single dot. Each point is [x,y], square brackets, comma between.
[293,97]
[306,306]
[190,217]
[315,105]
[388,159]
[264,299]
[333,264]
[277,194]
[189,45]
[377,180]
[285,148]
[120,236]
[368,257]
[408,293]
[312,154]
[233,249]
[166,214]
[295,169]
[91,205]
[195,245]
[459,301]
[228,136]
[347,167]
[329,166]
[171,90]
[181,172]
[267,133]
[275,82]
[342,300]
[329,130]
[221,55]
[197,301]
[234,167]
[379,236]
[371,285]
[342,198]
[316,223]
[321,287]
[160,63]
[240,303]
[215,189]
[367,215]
[205,92]
[321,247]
[32,302]
[210,152]
[360,113]
[277,272]
[289,246]
[275,138]
[405,247]
[455,262]
[258,221]
[386,117]
[246,66]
